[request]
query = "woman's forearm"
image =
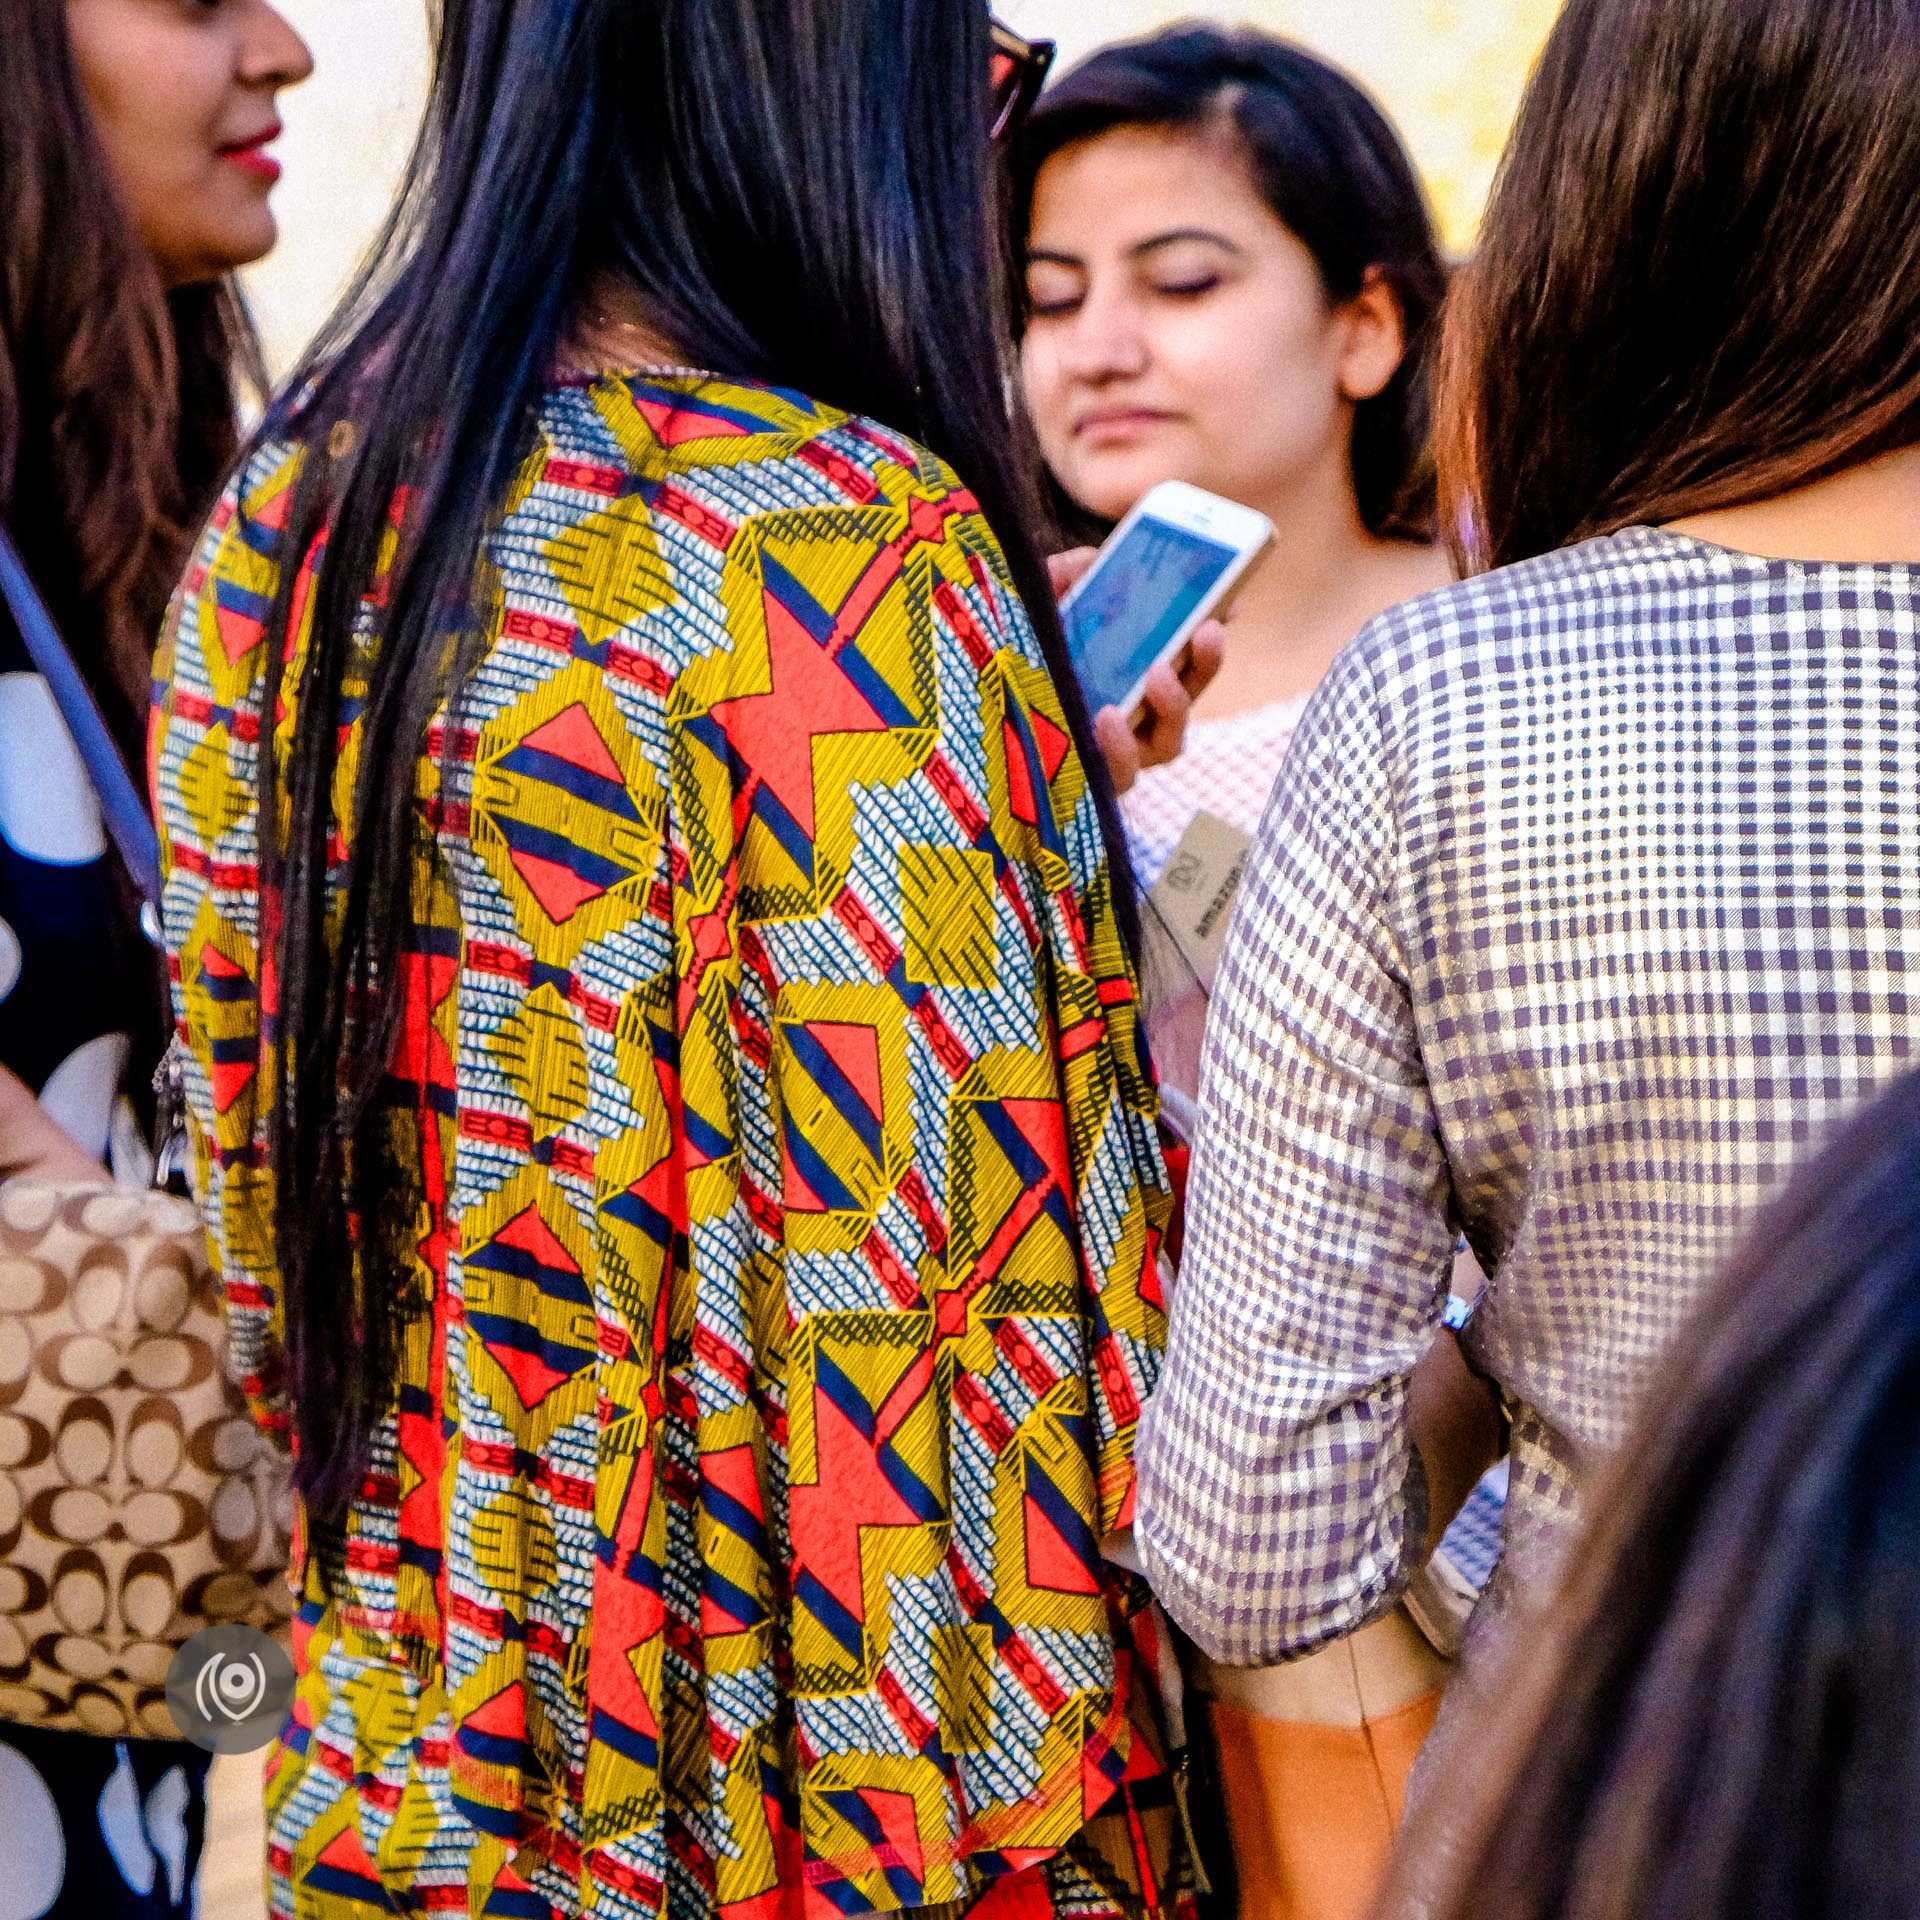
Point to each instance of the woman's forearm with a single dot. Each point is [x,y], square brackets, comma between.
[1455,1420]
[33,1143]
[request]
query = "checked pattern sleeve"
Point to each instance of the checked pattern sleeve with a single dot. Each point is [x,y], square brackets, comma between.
[1280,1494]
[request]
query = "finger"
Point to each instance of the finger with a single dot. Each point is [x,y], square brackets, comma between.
[1162,731]
[1067,569]
[1206,653]
[69,1164]
[1118,747]
[57,1160]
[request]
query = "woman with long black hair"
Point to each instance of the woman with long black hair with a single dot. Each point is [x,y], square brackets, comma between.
[135,177]
[653,945]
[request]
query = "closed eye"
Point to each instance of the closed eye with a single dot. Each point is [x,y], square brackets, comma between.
[1054,309]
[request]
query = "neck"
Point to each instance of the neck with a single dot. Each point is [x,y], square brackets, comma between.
[1324,577]
[1869,515]
[612,330]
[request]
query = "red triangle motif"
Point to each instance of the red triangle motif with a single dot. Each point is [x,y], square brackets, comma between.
[532,1378]
[674,426]
[1053,743]
[345,1854]
[1052,1565]
[230,1080]
[504,1717]
[239,633]
[1016,1895]
[273,516]
[855,1050]
[1019,778]
[528,1233]
[735,1471]
[899,1826]
[1042,1125]
[560,891]
[571,736]
[796,1196]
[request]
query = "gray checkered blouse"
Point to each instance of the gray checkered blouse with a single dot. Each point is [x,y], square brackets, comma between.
[1582,907]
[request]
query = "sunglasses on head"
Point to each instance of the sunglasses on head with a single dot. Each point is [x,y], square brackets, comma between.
[1019,70]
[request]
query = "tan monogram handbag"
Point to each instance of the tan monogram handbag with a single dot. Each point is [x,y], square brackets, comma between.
[138,1501]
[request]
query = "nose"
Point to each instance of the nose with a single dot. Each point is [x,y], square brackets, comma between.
[272,53]
[1104,339]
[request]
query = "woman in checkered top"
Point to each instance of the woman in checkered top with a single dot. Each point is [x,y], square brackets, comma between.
[1583,906]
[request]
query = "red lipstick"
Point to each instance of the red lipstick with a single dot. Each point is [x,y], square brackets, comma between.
[253,155]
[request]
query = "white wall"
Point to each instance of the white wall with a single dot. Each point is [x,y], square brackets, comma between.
[1448,70]
[348,132]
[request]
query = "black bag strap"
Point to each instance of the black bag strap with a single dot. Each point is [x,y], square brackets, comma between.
[127,821]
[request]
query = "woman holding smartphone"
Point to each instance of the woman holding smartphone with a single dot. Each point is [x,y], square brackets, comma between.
[1231,280]
[664,1066]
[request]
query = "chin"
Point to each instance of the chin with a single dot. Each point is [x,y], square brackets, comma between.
[239,227]
[245,246]
[1113,488]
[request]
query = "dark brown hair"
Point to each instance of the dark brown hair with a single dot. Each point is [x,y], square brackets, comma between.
[1699,281]
[117,401]
[1720,1716]
[1328,163]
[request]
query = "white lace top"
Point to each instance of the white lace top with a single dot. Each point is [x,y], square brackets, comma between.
[1228,770]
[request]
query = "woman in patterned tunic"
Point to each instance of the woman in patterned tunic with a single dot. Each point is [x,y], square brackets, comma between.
[668,1094]
[124,203]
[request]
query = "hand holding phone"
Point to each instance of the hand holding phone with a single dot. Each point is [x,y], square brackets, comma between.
[1168,567]
[1157,734]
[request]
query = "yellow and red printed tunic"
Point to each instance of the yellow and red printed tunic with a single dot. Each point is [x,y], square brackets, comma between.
[790,1203]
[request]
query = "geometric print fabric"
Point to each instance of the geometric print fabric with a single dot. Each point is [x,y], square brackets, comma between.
[791,1203]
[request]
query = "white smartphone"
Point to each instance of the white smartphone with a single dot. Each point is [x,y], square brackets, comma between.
[1167,566]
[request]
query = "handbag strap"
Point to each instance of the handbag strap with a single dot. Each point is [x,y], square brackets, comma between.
[127,821]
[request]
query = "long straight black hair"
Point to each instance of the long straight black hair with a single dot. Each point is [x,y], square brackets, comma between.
[798,190]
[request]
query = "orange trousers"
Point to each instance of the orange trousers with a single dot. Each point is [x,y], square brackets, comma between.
[1313,1809]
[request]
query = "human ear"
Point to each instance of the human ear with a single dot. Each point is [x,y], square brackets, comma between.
[1374,338]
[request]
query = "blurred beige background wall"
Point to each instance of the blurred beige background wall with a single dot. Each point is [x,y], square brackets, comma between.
[1450,72]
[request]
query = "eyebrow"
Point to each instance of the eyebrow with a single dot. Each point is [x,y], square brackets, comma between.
[1052,257]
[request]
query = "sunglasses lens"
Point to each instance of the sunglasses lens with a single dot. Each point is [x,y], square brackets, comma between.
[1016,72]
[1005,83]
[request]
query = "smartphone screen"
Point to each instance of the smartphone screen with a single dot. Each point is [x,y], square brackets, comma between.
[1140,595]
